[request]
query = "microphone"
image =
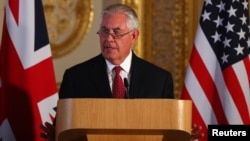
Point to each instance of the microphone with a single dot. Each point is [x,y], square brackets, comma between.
[126,86]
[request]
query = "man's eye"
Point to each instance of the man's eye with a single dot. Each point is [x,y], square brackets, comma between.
[105,31]
[117,33]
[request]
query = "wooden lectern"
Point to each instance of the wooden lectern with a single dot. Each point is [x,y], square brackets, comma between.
[123,120]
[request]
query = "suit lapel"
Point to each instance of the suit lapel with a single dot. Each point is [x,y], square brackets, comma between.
[137,78]
[100,77]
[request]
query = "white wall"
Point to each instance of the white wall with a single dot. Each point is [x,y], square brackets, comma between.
[88,48]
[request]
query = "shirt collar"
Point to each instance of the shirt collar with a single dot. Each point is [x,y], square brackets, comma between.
[126,64]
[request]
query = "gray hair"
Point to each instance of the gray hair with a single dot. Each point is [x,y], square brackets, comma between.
[132,19]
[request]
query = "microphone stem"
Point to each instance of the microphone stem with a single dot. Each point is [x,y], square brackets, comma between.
[126,86]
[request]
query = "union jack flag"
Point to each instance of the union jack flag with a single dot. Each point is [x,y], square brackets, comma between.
[28,91]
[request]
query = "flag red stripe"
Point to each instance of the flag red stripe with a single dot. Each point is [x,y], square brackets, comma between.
[197,119]
[236,92]
[247,66]
[207,83]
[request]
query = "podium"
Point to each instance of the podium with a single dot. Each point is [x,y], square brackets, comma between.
[123,119]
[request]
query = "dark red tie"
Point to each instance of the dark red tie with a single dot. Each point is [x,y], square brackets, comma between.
[118,86]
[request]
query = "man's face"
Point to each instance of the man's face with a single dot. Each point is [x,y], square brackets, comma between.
[116,39]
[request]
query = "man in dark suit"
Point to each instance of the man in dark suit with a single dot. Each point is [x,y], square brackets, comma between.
[90,80]
[94,78]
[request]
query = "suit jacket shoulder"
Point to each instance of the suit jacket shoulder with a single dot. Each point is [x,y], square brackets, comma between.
[149,80]
[86,80]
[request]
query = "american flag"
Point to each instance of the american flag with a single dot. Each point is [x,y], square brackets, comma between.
[28,91]
[218,75]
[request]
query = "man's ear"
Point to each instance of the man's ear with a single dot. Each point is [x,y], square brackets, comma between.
[135,35]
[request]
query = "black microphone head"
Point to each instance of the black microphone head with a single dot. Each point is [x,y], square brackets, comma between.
[126,86]
[126,82]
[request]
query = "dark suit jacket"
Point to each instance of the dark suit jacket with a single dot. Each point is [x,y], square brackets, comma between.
[90,80]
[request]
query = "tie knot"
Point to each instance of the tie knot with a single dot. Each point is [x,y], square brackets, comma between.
[117,69]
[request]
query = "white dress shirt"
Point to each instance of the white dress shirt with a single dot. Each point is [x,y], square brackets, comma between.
[126,64]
